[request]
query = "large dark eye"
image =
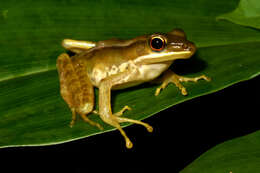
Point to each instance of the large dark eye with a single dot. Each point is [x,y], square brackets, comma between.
[157,43]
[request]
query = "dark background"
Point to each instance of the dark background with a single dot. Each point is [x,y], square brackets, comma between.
[180,135]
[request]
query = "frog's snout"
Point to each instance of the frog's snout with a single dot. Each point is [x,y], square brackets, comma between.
[191,47]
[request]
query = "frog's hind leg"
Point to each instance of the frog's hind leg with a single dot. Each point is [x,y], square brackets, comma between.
[170,77]
[75,88]
[147,126]
[119,113]
[77,46]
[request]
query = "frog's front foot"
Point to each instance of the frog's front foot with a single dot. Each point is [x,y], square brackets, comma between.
[171,77]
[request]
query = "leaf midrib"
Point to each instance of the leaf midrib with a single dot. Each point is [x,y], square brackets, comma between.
[54,68]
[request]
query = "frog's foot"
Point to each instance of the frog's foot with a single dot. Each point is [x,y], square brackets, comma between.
[86,119]
[119,113]
[171,77]
[116,120]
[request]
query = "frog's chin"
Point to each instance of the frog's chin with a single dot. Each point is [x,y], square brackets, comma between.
[164,56]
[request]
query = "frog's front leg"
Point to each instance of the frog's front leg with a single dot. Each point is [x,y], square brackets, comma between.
[105,111]
[76,89]
[170,77]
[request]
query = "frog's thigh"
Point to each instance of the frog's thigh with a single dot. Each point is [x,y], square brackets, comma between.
[66,74]
[170,77]
[75,88]
[77,46]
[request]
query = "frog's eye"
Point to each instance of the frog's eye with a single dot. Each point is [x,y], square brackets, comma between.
[157,43]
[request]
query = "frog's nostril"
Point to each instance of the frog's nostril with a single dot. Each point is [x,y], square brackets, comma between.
[185,46]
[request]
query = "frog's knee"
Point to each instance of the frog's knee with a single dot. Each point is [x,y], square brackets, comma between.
[63,60]
[86,108]
[63,57]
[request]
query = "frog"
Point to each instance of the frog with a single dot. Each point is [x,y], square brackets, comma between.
[117,64]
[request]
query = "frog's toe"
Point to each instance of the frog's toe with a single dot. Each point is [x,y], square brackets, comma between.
[160,88]
[147,126]
[184,91]
[121,112]
[193,79]
[72,122]
[181,88]
[128,144]
[73,118]
[95,112]
[206,78]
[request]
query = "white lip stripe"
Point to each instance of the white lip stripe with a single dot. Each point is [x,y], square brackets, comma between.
[175,55]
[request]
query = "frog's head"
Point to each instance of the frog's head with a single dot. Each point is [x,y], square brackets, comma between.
[168,47]
[176,41]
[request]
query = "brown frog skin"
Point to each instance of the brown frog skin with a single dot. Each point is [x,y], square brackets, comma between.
[116,64]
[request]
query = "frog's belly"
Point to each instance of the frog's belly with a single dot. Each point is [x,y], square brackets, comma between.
[144,73]
[139,74]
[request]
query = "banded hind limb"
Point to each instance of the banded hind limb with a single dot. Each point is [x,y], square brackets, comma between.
[76,88]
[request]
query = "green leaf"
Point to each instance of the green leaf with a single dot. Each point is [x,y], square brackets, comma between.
[247,14]
[237,155]
[32,111]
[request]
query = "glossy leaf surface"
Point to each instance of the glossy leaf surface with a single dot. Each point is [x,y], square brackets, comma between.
[247,14]
[32,111]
